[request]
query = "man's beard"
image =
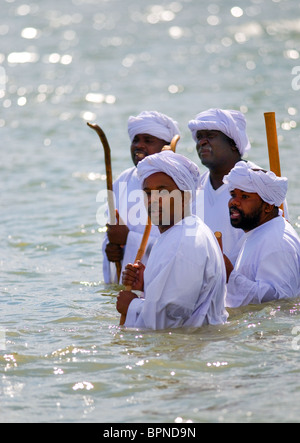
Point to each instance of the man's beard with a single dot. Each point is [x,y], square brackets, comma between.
[247,222]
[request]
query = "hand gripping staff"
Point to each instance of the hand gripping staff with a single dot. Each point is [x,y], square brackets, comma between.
[109,182]
[272,141]
[147,230]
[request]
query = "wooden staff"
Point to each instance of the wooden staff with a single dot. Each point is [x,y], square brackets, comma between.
[141,251]
[218,236]
[109,182]
[140,254]
[172,146]
[147,230]
[272,141]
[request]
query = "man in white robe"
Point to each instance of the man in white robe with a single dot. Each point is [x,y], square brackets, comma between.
[184,282]
[221,142]
[149,132]
[268,265]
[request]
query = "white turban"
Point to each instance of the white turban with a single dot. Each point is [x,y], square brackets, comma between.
[183,171]
[267,185]
[231,123]
[153,123]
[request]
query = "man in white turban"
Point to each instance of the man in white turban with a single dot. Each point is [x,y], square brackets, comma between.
[229,122]
[149,132]
[268,265]
[221,142]
[154,123]
[184,281]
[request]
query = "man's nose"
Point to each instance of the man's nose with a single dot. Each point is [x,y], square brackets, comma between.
[234,201]
[154,197]
[139,144]
[202,141]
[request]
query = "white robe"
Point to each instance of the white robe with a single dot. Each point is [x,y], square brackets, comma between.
[216,216]
[127,183]
[184,281]
[268,266]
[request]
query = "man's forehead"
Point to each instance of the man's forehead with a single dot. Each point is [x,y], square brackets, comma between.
[145,135]
[158,179]
[241,191]
[206,131]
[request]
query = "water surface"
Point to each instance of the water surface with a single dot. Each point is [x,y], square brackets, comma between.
[62,356]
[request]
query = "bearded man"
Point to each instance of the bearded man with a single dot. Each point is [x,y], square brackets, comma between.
[268,265]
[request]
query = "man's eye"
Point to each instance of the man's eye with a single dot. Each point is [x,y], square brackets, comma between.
[203,136]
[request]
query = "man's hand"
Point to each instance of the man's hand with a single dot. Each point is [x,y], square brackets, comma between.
[123,301]
[133,276]
[117,234]
[114,252]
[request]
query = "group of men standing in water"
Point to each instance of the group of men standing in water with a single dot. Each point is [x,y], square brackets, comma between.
[184,279]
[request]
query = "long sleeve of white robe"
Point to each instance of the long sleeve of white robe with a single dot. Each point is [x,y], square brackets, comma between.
[184,281]
[133,213]
[268,267]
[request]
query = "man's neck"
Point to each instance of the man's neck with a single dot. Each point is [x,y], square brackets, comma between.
[217,174]
[216,179]
[164,228]
[263,222]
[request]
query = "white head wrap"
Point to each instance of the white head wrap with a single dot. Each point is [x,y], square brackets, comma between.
[231,123]
[267,185]
[153,123]
[183,171]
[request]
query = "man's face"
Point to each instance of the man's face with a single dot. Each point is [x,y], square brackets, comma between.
[144,145]
[213,147]
[246,210]
[165,202]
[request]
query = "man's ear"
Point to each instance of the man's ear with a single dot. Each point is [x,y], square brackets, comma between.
[233,145]
[269,208]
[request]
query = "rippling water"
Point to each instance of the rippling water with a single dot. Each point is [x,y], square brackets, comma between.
[63,63]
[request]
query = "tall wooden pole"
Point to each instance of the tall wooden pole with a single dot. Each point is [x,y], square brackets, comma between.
[272,140]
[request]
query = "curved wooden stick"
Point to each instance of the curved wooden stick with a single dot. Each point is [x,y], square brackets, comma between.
[272,141]
[147,230]
[109,182]
[139,256]
[172,146]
